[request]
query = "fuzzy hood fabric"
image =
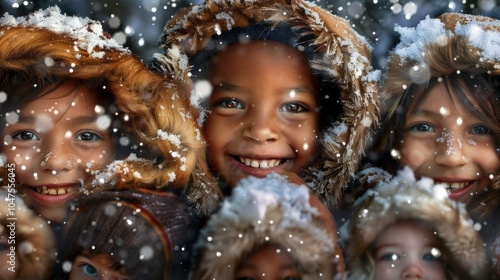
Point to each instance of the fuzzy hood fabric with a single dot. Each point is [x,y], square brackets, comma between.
[262,211]
[340,54]
[404,198]
[34,241]
[152,107]
[155,229]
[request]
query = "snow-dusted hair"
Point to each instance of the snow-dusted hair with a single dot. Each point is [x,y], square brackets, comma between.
[406,199]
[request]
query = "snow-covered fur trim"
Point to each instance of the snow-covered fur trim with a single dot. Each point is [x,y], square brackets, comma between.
[34,240]
[404,198]
[344,57]
[152,107]
[264,211]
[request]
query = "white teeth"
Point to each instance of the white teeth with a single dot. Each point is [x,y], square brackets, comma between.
[264,164]
[454,186]
[53,191]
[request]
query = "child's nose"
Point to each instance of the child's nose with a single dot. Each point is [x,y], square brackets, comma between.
[412,270]
[450,151]
[261,129]
[56,158]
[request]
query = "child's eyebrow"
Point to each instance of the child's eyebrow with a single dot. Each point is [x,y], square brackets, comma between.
[423,112]
[385,245]
[227,87]
[73,121]
[303,89]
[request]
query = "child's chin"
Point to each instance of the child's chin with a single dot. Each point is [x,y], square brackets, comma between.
[57,215]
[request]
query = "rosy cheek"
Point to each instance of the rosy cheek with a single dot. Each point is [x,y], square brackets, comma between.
[414,157]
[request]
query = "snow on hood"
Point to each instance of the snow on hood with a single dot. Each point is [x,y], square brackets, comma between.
[420,200]
[259,211]
[87,33]
[255,197]
[480,33]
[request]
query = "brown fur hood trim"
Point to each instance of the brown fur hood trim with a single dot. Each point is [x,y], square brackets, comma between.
[151,106]
[431,38]
[263,211]
[34,241]
[405,198]
[345,58]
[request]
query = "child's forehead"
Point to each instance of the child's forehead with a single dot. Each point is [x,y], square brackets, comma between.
[257,49]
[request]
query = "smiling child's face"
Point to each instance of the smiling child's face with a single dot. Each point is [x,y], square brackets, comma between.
[263,113]
[448,143]
[53,142]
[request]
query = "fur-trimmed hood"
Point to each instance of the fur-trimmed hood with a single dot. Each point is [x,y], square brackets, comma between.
[35,251]
[341,55]
[151,107]
[404,198]
[262,211]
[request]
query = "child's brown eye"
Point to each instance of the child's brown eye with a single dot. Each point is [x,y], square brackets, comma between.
[88,136]
[25,136]
[480,130]
[293,108]
[230,103]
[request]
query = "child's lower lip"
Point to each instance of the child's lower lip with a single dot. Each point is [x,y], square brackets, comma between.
[458,194]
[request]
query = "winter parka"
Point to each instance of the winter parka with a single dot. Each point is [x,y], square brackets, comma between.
[263,211]
[151,109]
[402,199]
[338,53]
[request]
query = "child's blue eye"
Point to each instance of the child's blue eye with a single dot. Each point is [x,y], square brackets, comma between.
[480,130]
[88,136]
[293,108]
[26,136]
[89,270]
[230,103]
[390,257]
[422,127]
[429,257]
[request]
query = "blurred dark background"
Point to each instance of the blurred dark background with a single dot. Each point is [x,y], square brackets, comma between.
[139,23]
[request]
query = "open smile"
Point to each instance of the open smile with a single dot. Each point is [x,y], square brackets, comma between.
[54,191]
[261,164]
[456,190]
